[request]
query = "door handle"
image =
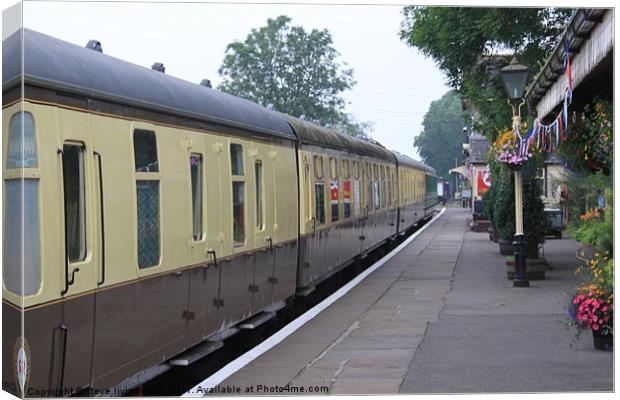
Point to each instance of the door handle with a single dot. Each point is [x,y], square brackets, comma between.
[268,239]
[212,252]
[313,226]
[178,273]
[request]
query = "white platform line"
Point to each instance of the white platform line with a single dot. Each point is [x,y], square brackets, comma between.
[203,387]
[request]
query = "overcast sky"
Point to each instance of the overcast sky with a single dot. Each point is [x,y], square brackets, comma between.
[395,84]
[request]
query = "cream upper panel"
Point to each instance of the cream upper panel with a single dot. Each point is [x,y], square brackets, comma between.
[112,138]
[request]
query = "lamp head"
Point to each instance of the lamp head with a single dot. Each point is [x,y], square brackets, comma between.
[514,76]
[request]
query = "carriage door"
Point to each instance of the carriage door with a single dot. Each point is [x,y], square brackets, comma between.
[81,254]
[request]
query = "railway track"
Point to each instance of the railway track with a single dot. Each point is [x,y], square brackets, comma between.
[178,381]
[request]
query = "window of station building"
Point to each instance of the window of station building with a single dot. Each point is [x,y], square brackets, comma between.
[196,165]
[22,150]
[319,203]
[318,167]
[333,168]
[75,201]
[258,175]
[236,159]
[145,149]
[147,198]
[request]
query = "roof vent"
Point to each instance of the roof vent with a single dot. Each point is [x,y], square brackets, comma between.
[269,106]
[328,126]
[159,67]
[302,117]
[205,83]
[94,45]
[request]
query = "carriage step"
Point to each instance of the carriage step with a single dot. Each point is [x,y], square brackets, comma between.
[195,353]
[275,307]
[223,335]
[303,292]
[257,320]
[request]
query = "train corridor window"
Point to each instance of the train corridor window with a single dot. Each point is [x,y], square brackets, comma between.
[147,198]
[145,147]
[346,174]
[22,151]
[356,170]
[333,169]
[258,175]
[238,189]
[21,255]
[318,167]
[195,165]
[319,203]
[74,196]
[236,159]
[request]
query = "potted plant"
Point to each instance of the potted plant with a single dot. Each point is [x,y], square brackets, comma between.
[592,306]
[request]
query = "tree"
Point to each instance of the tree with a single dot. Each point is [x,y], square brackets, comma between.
[295,71]
[466,43]
[440,141]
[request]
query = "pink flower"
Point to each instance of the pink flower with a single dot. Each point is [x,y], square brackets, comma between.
[604,308]
[595,327]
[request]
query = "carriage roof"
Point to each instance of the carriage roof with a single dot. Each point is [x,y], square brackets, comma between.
[58,65]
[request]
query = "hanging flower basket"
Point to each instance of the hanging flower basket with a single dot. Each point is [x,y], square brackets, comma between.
[510,150]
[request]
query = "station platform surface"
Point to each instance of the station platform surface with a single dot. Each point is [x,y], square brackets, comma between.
[441,317]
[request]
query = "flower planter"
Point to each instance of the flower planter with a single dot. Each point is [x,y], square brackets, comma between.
[505,247]
[603,342]
[492,235]
[536,269]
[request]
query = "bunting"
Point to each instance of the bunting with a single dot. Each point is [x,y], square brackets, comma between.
[548,137]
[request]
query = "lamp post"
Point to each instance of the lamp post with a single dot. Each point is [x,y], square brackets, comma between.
[514,76]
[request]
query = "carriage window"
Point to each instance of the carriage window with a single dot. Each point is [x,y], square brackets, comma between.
[238,213]
[319,203]
[318,167]
[145,149]
[356,170]
[74,192]
[195,166]
[147,194]
[21,255]
[333,169]
[258,174]
[236,159]
[345,169]
[22,151]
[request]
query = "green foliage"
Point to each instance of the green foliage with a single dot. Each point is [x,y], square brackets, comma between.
[504,207]
[535,222]
[465,43]
[584,190]
[595,227]
[589,145]
[440,141]
[294,70]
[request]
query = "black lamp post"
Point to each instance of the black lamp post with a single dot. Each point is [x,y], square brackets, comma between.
[514,77]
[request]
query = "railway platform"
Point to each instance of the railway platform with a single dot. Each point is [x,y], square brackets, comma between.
[438,317]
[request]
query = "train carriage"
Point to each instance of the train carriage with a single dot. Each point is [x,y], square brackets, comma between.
[146,216]
[159,213]
[347,201]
